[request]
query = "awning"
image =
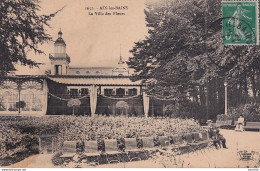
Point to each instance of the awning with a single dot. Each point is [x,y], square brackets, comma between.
[95,81]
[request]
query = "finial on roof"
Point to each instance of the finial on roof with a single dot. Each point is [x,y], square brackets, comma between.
[60,40]
[60,33]
[120,59]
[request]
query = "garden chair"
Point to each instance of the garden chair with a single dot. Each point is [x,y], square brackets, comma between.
[196,136]
[204,136]
[164,141]
[132,149]
[91,151]
[111,151]
[188,138]
[148,145]
[178,143]
[69,149]
[197,144]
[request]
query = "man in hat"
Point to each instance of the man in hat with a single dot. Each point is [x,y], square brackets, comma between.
[216,136]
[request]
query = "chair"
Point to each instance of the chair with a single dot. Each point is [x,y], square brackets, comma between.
[176,140]
[164,141]
[196,136]
[111,150]
[132,149]
[69,149]
[148,145]
[204,136]
[188,138]
[91,151]
[197,144]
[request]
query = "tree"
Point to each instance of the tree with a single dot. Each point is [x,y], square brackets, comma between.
[183,56]
[21,30]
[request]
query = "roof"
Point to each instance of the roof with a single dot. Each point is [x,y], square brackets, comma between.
[97,80]
[60,41]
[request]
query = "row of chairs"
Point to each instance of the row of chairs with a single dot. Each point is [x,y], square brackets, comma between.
[132,151]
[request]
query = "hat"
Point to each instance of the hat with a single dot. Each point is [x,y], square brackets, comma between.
[209,121]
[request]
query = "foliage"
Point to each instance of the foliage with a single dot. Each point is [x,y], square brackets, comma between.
[15,146]
[251,113]
[57,160]
[72,128]
[22,30]
[183,57]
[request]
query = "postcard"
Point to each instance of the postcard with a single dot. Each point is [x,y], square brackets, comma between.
[129,84]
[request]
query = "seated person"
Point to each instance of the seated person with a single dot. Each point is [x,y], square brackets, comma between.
[216,136]
[240,123]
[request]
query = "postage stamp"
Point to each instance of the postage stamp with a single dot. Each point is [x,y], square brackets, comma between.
[240,22]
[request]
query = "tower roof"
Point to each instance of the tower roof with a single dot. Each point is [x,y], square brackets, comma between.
[121,60]
[60,39]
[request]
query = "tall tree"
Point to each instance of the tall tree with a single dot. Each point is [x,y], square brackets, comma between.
[22,30]
[183,55]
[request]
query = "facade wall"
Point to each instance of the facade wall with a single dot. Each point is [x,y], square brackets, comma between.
[60,95]
[90,71]
[33,92]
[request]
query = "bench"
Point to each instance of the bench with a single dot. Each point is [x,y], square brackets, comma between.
[111,151]
[91,151]
[69,149]
[224,124]
[252,126]
[132,149]
[148,146]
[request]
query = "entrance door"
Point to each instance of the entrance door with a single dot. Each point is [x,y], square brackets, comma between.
[122,108]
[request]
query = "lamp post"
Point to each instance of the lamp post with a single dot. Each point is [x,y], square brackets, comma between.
[226,97]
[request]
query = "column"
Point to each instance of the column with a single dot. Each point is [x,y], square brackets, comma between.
[146,104]
[93,99]
[226,98]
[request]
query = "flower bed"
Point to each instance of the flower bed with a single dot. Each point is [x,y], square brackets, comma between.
[20,130]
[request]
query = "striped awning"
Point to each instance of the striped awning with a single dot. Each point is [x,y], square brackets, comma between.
[95,81]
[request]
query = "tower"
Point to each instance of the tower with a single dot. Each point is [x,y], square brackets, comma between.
[121,69]
[60,59]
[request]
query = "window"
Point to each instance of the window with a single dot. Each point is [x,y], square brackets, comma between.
[58,69]
[73,93]
[87,72]
[77,72]
[97,72]
[120,92]
[84,91]
[132,92]
[108,92]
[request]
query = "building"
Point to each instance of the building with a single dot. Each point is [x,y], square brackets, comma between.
[67,90]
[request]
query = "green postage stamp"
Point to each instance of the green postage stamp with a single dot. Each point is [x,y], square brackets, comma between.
[240,22]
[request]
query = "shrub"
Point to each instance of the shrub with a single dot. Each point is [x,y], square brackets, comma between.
[251,113]
[57,160]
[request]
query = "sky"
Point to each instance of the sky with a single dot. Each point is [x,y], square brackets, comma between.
[92,40]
